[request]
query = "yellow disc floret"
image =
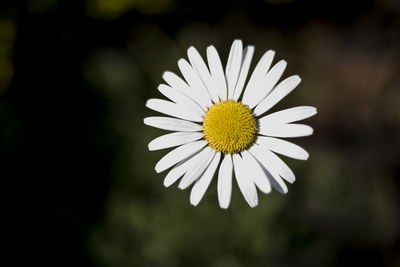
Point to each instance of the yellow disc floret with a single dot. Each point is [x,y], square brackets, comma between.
[229,127]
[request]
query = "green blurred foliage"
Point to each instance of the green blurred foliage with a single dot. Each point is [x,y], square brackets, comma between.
[113,9]
[41,6]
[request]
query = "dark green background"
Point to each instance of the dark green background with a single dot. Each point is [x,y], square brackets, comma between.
[79,182]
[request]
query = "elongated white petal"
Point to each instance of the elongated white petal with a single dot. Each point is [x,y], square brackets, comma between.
[269,169]
[233,66]
[279,92]
[180,99]
[200,187]
[179,154]
[285,130]
[246,184]
[283,169]
[264,86]
[174,139]
[194,82]
[202,70]
[194,173]
[258,74]
[256,172]
[172,124]
[183,166]
[224,185]
[290,115]
[277,165]
[244,70]
[217,72]
[283,147]
[173,109]
[177,83]
[276,181]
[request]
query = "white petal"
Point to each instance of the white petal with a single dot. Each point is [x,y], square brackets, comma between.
[173,109]
[274,178]
[256,172]
[179,154]
[183,166]
[217,72]
[280,91]
[290,115]
[202,70]
[200,187]
[172,124]
[246,184]
[244,70]
[283,169]
[174,139]
[264,86]
[194,173]
[276,181]
[233,66]
[177,83]
[285,130]
[283,147]
[180,99]
[258,74]
[224,186]
[277,164]
[194,82]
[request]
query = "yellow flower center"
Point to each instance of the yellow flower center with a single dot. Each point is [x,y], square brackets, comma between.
[229,127]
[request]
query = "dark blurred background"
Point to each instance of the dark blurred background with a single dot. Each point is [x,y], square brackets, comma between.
[79,182]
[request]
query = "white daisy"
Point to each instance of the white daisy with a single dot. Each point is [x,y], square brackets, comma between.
[218,122]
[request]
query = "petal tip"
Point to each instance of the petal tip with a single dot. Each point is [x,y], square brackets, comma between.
[168,181]
[296,79]
[182,185]
[149,146]
[210,48]
[253,202]
[224,206]
[194,202]
[181,62]
[158,168]
[191,50]
[148,103]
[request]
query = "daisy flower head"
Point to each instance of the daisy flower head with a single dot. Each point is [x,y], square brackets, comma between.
[219,125]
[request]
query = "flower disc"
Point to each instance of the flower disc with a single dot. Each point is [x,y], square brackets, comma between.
[229,127]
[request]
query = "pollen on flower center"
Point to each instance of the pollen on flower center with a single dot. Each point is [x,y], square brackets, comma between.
[229,127]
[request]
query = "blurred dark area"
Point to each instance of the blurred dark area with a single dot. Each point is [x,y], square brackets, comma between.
[79,182]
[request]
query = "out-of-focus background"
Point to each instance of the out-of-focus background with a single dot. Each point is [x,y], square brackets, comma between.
[74,78]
